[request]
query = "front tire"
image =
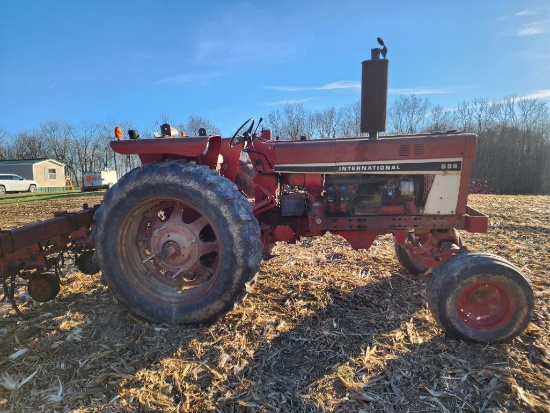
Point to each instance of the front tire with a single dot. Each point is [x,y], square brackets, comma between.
[407,262]
[177,243]
[32,188]
[480,298]
[412,254]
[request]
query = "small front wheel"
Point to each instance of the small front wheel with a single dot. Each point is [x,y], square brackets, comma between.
[419,250]
[408,262]
[32,188]
[480,298]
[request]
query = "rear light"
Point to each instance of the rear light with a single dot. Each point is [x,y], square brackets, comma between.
[183,134]
[118,132]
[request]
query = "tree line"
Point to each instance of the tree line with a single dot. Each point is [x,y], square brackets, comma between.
[513,152]
[84,147]
[513,147]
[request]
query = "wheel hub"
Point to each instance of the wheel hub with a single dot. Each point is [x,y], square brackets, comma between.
[485,306]
[175,247]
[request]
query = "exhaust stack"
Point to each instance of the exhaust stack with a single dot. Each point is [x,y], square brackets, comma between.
[374,91]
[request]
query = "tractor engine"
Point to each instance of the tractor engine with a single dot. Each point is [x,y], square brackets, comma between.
[359,194]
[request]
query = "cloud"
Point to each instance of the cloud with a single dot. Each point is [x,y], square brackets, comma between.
[534,28]
[418,91]
[531,30]
[239,50]
[525,13]
[539,94]
[289,102]
[189,77]
[341,84]
[347,84]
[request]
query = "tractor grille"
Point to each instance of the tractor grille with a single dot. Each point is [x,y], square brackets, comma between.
[405,150]
[417,149]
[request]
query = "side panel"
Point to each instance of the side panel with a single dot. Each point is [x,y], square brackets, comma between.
[443,196]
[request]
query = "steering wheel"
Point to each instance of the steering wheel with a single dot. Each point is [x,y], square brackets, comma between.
[245,137]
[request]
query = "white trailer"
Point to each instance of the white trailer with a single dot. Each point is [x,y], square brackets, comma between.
[93,181]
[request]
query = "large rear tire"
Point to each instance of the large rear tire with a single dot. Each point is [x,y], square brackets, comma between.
[177,243]
[480,298]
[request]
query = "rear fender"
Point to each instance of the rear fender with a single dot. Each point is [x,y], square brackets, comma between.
[204,150]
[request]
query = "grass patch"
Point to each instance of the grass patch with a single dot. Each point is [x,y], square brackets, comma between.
[45,196]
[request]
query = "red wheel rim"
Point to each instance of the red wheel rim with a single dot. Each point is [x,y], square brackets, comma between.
[170,251]
[485,306]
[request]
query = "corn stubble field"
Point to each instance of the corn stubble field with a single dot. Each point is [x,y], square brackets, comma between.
[326,329]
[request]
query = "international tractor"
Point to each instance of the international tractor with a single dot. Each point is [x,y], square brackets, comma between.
[180,239]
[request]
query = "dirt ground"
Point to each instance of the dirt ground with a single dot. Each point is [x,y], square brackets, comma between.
[326,329]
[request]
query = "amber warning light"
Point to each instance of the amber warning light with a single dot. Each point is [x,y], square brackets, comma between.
[118,132]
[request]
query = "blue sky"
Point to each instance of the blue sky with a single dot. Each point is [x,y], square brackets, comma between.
[136,61]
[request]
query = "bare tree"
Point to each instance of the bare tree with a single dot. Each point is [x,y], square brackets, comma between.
[350,120]
[58,138]
[291,122]
[441,119]
[513,144]
[326,122]
[88,148]
[408,114]
[533,114]
[194,123]
[190,127]
[4,143]
[28,145]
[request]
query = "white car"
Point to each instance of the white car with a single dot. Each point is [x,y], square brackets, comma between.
[15,183]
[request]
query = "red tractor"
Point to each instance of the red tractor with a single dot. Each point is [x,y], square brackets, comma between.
[180,239]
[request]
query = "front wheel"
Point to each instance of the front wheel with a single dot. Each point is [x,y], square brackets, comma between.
[177,243]
[407,261]
[480,298]
[32,188]
[435,247]
[2,189]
